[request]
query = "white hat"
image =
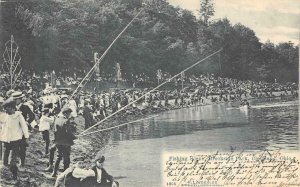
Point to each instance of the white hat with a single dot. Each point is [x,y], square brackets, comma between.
[9,92]
[17,95]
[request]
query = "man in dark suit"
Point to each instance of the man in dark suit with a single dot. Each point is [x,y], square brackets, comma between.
[87,114]
[101,178]
[64,137]
[29,117]
[26,111]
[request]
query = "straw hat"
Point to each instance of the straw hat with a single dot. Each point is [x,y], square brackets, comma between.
[9,92]
[17,95]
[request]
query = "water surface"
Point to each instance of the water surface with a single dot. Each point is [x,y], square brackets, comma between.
[134,152]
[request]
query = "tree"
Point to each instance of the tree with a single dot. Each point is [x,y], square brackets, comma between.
[64,35]
[288,58]
[207,10]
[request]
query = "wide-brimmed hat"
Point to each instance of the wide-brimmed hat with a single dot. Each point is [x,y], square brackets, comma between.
[17,95]
[88,100]
[9,92]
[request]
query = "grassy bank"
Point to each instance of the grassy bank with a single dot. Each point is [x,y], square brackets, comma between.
[84,150]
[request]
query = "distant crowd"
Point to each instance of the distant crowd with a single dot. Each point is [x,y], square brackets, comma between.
[54,91]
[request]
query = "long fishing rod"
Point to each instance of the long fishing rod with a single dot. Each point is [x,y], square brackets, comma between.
[82,86]
[110,128]
[106,51]
[121,109]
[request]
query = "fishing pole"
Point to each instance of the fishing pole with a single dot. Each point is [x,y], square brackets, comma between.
[82,86]
[110,128]
[121,109]
[106,51]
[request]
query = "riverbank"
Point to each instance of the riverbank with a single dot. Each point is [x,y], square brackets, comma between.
[83,150]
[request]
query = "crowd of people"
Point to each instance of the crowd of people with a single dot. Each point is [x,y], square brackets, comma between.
[50,109]
[21,115]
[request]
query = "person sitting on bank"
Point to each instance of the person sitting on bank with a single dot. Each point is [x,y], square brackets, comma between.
[93,177]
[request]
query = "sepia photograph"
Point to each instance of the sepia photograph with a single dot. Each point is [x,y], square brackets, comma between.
[149,93]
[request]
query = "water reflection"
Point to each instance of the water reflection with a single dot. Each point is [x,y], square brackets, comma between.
[184,121]
[135,150]
[272,125]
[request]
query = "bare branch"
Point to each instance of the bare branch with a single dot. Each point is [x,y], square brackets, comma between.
[12,61]
[16,52]
[16,77]
[16,66]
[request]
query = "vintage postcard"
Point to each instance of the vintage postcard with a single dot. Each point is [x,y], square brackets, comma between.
[149,93]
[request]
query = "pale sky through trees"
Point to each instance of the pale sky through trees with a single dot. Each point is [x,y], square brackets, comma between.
[276,20]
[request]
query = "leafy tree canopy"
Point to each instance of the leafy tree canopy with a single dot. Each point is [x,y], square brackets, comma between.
[63,35]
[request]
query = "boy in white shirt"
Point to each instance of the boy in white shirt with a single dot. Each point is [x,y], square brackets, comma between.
[44,127]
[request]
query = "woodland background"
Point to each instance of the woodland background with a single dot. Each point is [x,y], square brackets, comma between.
[62,35]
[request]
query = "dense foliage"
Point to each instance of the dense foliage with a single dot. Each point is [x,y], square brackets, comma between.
[64,34]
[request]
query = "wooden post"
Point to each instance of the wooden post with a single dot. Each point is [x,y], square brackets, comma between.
[1,151]
[220,67]
[158,76]
[182,79]
[118,74]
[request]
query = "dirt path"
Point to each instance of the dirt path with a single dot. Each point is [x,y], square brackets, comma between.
[84,149]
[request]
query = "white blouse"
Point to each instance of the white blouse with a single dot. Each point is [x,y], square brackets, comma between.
[13,127]
[45,123]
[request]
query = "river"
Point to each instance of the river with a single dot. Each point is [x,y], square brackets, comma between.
[133,154]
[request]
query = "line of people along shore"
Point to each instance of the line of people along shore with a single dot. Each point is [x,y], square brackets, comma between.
[18,119]
[27,109]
